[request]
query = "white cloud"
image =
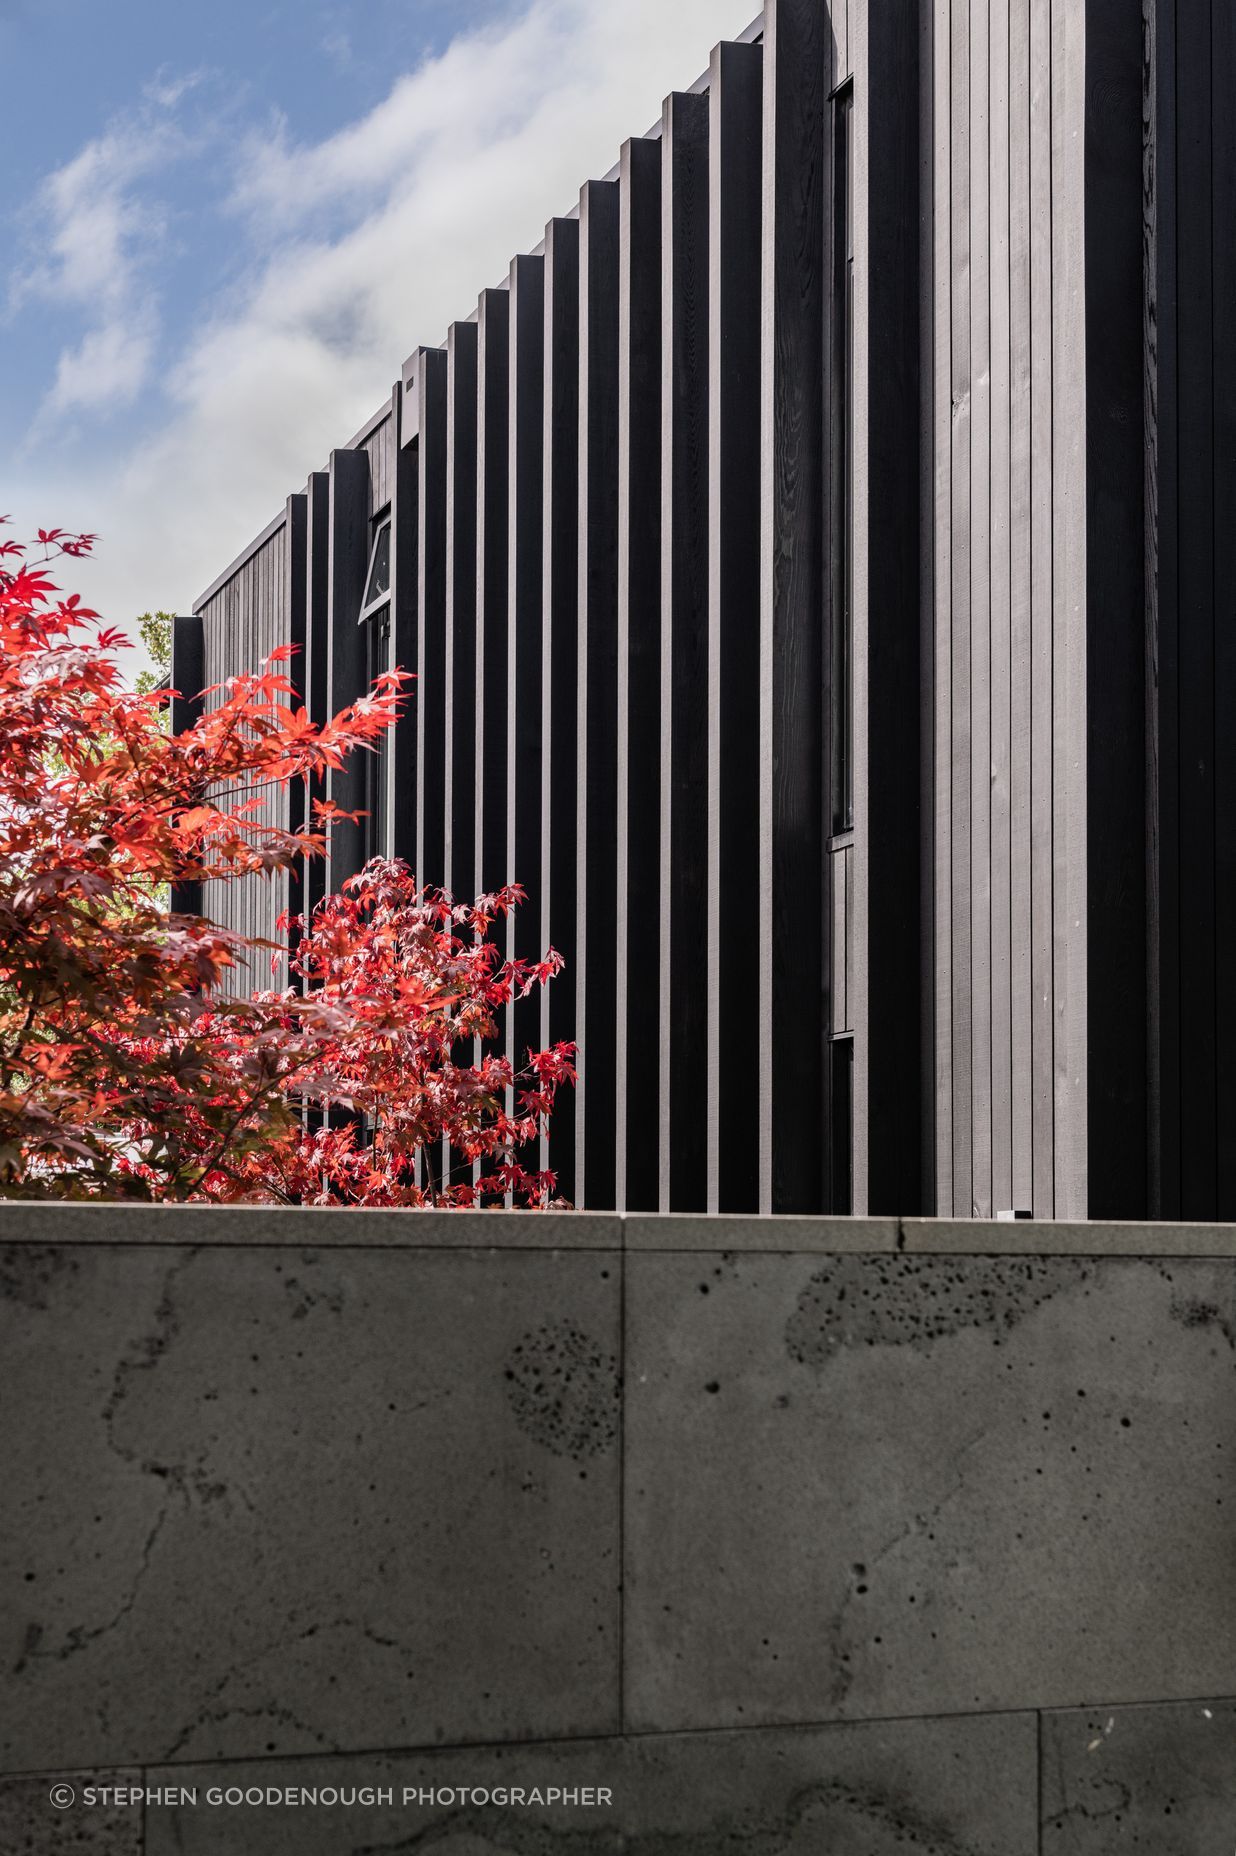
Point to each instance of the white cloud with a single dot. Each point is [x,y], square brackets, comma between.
[108,366]
[166,88]
[99,235]
[370,243]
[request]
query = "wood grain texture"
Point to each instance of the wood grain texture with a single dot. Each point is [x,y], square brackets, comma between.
[683,728]
[1021,1186]
[188,680]
[460,667]
[1000,608]
[980,493]
[1223,203]
[960,548]
[347,557]
[941,858]
[559,655]
[732,783]
[317,664]
[589,988]
[405,553]
[1113,1036]
[525,494]
[637,720]
[1070,424]
[296,568]
[431,685]
[1195,566]
[791,934]
[492,617]
[1163,621]
[1041,532]
[890,652]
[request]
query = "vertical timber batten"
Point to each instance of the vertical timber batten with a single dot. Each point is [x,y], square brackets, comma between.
[347,557]
[492,618]
[734,183]
[637,948]
[559,653]
[684,651]
[460,668]
[597,896]
[524,543]
[1111,1042]
[791,937]
[296,564]
[188,680]
[1070,495]
[317,667]
[432,694]
[890,655]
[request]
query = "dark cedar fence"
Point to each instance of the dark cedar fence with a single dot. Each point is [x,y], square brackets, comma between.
[616,529]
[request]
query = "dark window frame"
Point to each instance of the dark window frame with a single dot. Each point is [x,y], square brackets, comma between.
[375,616]
[379,562]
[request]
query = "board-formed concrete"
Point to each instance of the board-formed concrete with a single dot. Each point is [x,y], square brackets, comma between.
[270,1501]
[789,1535]
[1154,1779]
[941,1788]
[867,1485]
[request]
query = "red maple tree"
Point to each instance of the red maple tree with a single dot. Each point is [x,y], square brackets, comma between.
[124,1071]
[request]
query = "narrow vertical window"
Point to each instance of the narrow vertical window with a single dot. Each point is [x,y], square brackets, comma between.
[376,619]
[842,665]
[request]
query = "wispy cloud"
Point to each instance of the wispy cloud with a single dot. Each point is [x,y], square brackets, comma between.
[166,88]
[99,231]
[361,246]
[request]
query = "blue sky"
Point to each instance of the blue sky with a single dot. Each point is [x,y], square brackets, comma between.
[84,66]
[226,225]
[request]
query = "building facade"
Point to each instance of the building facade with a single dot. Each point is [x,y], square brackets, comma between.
[815,563]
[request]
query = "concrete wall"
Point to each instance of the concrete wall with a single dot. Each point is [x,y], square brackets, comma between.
[798,1535]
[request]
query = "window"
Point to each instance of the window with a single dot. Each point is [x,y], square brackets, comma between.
[375,616]
[378,576]
[842,666]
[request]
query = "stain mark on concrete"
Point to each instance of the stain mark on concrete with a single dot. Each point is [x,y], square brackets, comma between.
[28,1271]
[215,1707]
[305,1297]
[29,1828]
[146,1352]
[831,1814]
[563,1390]
[916,1301]
[1193,1311]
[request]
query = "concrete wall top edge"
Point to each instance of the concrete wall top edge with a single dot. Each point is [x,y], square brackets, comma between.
[271,1226]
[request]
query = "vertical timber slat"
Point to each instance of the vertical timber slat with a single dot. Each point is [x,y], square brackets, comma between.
[460,668]
[791,979]
[734,180]
[684,650]
[597,897]
[637,951]
[559,652]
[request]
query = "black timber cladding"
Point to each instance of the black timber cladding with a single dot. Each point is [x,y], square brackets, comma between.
[684,687]
[559,655]
[609,482]
[633,497]
[1189,355]
[637,918]
[733,591]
